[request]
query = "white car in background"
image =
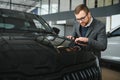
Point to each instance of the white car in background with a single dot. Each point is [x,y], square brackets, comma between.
[112,53]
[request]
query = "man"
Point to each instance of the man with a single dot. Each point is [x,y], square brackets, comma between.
[88,33]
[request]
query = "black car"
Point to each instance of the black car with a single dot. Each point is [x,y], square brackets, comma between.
[31,50]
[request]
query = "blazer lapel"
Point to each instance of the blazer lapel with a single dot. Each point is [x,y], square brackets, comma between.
[91,27]
[78,30]
[89,31]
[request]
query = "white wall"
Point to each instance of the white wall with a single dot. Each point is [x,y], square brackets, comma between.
[112,21]
[68,30]
[108,23]
[115,20]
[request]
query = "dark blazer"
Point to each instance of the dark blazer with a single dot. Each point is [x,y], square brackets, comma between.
[96,34]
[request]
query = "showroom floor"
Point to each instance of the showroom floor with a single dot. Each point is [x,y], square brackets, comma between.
[110,73]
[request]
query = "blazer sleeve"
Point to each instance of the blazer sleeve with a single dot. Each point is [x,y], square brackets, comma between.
[100,43]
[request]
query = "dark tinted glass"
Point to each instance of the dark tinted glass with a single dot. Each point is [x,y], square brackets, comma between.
[116,32]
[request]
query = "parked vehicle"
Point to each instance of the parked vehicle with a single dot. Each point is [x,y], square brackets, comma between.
[112,53]
[31,50]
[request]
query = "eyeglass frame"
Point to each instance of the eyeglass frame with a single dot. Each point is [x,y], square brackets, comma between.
[82,18]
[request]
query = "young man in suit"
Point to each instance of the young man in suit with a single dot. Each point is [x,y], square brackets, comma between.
[88,33]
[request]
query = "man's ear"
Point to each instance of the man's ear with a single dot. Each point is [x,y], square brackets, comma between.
[89,14]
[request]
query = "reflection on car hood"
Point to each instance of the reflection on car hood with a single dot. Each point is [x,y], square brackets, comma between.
[30,41]
[39,51]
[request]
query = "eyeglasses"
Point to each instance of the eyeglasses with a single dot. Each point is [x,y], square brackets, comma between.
[82,18]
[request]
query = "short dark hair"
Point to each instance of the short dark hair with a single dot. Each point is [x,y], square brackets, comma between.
[81,7]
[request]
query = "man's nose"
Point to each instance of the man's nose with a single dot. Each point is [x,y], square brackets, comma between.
[80,21]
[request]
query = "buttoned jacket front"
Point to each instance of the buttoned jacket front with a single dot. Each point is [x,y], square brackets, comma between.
[96,34]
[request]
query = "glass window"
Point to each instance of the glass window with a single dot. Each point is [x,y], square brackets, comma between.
[75,3]
[53,6]
[116,32]
[100,3]
[37,23]
[64,5]
[44,7]
[22,21]
[116,1]
[108,2]
[6,26]
[91,3]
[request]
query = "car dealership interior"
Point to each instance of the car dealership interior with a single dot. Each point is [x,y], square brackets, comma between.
[33,43]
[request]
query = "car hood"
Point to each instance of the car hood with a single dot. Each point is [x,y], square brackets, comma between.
[28,53]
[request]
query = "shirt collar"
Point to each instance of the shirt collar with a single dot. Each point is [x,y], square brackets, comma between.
[89,22]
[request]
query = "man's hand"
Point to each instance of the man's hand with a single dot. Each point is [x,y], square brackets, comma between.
[81,41]
[70,37]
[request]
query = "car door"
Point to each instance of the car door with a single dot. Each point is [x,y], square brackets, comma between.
[112,53]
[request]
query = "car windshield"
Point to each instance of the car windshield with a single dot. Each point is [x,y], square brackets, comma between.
[10,20]
[116,32]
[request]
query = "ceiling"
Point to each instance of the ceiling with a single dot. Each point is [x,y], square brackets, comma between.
[21,5]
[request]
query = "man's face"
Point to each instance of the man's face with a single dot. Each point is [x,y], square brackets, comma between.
[83,18]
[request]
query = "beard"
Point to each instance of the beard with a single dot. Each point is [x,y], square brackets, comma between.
[83,24]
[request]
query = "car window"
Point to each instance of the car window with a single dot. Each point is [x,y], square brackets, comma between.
[6,26]
[116,32]
[38,24]
[11,23]
[22,21]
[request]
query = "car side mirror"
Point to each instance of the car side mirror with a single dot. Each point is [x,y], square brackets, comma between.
[56,30]
[108,34]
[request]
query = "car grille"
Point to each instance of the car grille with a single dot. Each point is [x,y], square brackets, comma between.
[92,73]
